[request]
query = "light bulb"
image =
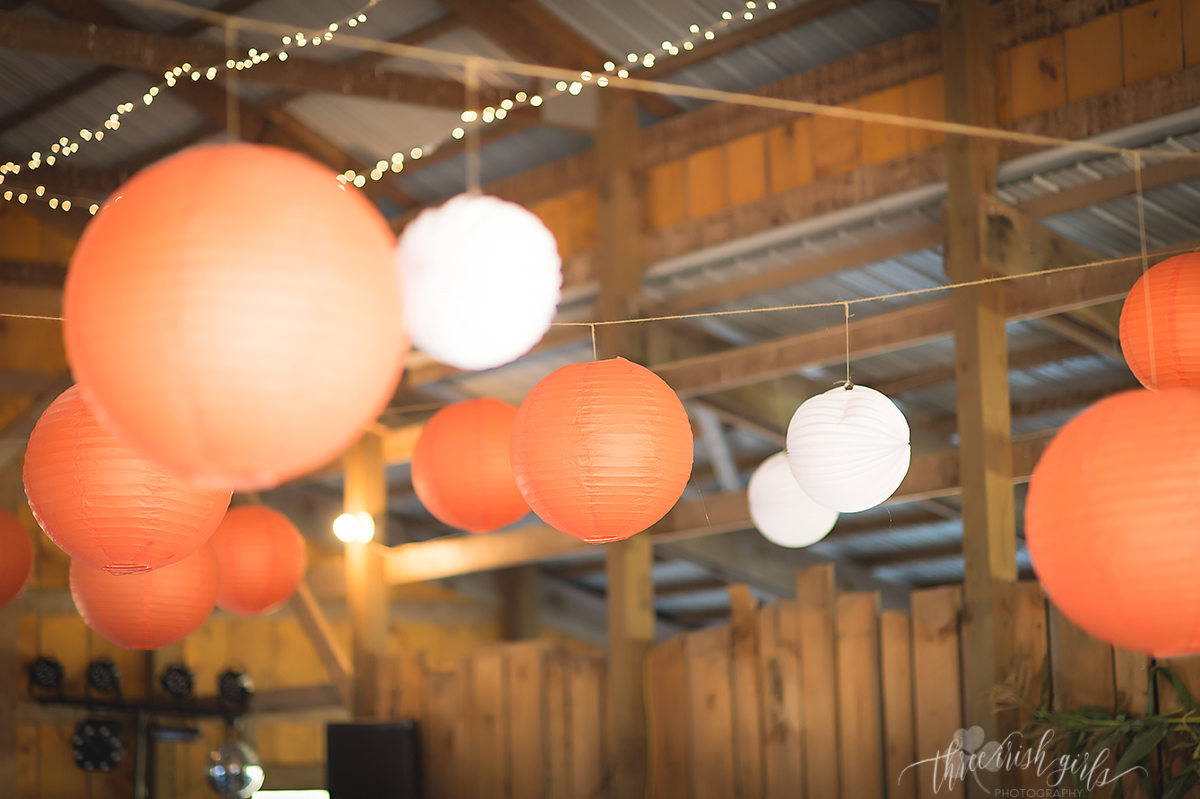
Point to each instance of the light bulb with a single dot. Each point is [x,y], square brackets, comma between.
[345,527]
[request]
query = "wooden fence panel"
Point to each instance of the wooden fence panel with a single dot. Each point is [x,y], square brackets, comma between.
[525,699]
[488,725]
[779,675]
[440,746]
[556,741]
[937,687]
[1030,649]
[586,729]
[815,601]
[747,702]
[669,711]
[711,715]
[1081,667]
[895,655]
[860,712]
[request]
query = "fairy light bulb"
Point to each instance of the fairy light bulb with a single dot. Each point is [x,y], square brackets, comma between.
[358,527]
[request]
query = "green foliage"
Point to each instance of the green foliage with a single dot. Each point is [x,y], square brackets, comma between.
[1166,744]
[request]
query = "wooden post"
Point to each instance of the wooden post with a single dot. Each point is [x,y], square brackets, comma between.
[366,592]
[10,671]
[519,603]
[630,579]
[981,366]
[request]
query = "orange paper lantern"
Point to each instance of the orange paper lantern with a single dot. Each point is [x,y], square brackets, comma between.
[235,314]
[148,610]
[602,450]
[105,503]
[1160,324]
[461,469]
[16,557]
[260,559]
[1112,520]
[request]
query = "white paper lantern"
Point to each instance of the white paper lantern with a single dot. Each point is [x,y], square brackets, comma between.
[848,448]
[482,278]
[780,509]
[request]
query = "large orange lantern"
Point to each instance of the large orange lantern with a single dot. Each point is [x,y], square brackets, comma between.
[260,560]
[148,610]
[1112,520]
[602,450]
[16,557]
[106,504]
[234,313]
[1160,324]
[461,469]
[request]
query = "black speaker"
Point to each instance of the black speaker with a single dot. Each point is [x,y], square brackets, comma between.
[373,761]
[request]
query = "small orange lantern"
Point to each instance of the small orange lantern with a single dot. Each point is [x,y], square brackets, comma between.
[148,610]
[461,469]
[1160,324]
[235,313]
[260,559]
[16,557]
[1112,517]
[105,503]
[602,450]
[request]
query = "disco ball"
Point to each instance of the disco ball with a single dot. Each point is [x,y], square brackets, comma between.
[234,771]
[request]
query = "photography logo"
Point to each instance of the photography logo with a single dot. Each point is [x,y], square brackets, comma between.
[1064,775]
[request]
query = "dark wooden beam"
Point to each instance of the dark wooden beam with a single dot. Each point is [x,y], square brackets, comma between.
[156,53]
[1028,298]
[532,33]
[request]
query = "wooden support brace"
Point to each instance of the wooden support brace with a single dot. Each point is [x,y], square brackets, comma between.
[320,635]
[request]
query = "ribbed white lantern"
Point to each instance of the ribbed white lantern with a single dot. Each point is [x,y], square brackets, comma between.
[780,509]
[848,448]
[482,278]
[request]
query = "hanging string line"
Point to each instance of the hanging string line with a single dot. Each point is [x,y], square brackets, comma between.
[655,87]
[846,305]
[595,357]
[1141,209]
[1193,246]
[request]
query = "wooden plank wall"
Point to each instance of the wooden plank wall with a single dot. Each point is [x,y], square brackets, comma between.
[828,696]
[1121,48]
[514,721]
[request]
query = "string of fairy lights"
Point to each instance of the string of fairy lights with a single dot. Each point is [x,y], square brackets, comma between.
[66,145]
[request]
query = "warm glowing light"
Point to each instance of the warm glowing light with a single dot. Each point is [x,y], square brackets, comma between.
[468,116]
[506,104]
[357,527]
[694,29]
[632,58]
[575,88]
[624,73]
[416,153]
[521,97]
[561,85]
[536,100]
[458,133]
[609,66]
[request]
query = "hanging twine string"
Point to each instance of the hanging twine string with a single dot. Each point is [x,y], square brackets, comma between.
[595,357]
[474,160]
[1167,251]
[849,385]
[233,106]
[1141,209]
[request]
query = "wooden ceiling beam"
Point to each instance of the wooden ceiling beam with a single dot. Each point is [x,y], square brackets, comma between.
[532,33]
[156,53]
[1020,359]
[929,476]
[1029,298]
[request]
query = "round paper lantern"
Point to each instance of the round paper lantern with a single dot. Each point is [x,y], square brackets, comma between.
[848,448]
[482,280]
[16,557]
[148,610]
[601,450]
[106,504]
[1160,324]
[235,314]
[461,469]
[780,509]
[1112,517]
[260,560]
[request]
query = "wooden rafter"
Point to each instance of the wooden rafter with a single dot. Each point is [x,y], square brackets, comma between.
[929,476]
[156,53]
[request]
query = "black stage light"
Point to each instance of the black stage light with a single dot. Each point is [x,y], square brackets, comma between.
[97,745]
[46,672]
[178,681]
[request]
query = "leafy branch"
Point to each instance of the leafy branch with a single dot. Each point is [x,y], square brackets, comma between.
[1135,741]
